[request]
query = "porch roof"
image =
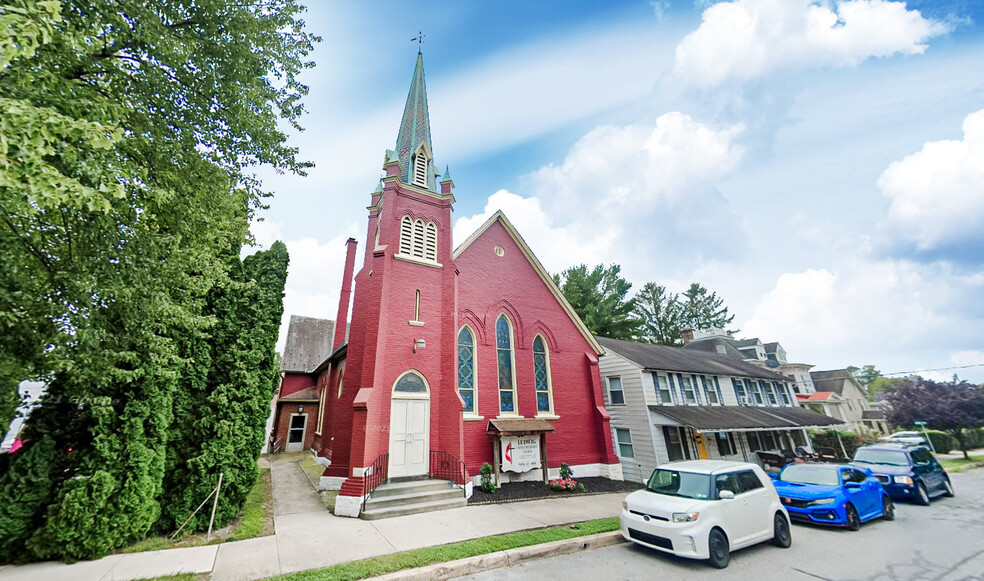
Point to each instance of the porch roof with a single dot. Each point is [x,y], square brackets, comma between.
[744,418]
[519,426]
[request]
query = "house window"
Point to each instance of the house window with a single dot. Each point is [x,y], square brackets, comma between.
[662,389]
[541,376]
[676,444]
[504,363]
[756,392]
[707,387]
[726,444]
[740,391]
[624,440]
[417,239]
[688,389]
[466,369]
[768,392]
[717,390]
[615,394]
[783,392]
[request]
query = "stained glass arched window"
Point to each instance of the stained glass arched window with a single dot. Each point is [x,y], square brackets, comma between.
[410,383]
[504,363]
[541,376]
[466,370]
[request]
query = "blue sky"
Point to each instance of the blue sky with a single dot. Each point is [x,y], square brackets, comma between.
[820,165]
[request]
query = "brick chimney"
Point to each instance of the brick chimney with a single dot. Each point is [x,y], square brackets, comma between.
[341,319]
[687,335]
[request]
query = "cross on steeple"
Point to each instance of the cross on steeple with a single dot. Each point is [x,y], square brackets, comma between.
[419,39]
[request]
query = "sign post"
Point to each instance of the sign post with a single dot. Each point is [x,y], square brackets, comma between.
[922,425]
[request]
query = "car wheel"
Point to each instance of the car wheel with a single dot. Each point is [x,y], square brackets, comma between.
[718,549]
[948,488]
[853,520]
[781,537]
[922,497]
[888,509]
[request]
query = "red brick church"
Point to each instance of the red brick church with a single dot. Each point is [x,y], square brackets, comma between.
[454,356]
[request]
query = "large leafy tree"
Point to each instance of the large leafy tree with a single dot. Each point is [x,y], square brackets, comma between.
[598,296]
[128,134]
[660,313]
[703,309]
[949,407]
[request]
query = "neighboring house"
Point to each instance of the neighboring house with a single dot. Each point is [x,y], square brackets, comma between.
[839,395]
[768,355]
[669,403]
[292,425]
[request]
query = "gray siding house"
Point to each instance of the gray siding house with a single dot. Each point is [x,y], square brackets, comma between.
[669,404]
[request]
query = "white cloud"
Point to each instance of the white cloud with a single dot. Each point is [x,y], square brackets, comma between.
[937,194]
[748,39]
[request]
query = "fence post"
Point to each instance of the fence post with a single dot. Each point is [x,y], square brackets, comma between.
[215,504]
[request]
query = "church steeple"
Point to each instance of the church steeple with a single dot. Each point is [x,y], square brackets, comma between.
[413,143]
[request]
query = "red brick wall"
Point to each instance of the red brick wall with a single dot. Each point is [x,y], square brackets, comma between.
[295,382]
[282,422]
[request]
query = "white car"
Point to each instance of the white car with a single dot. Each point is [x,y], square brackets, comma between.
[906,438]
[704,509]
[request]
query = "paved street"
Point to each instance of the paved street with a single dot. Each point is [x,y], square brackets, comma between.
[942,542]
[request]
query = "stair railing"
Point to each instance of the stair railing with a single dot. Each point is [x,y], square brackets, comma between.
[445,466]
[373,476]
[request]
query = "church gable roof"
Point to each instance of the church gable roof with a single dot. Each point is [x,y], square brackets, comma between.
[308,343]
[500,218]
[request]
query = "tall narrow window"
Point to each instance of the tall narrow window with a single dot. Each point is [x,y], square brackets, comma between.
[782,391]
[406,235]
[418,239]
[624,440]
[420,170]
[416,307]
[466,370]
[769,393]
[755,391]
[663,389]
[673,389]
[504,362]
[688,389]
[710,394]
[740,391]
[541,376]
[430,242]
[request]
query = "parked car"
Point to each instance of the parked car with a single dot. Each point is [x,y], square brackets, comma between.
[833,494]
[906,471]
[704,509]
[906,438]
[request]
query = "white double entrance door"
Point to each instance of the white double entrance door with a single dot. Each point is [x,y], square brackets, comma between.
[409,437]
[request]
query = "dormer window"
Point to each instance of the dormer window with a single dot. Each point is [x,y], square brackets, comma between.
[420,163]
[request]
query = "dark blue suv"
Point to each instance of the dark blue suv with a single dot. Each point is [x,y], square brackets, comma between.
[907,471]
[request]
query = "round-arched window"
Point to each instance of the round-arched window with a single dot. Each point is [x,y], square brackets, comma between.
[410,383]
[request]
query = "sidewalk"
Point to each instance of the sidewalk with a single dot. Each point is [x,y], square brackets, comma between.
[308,537]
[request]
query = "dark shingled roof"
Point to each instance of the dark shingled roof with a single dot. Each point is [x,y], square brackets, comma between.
[662,358]
[711,346]
[308,343]
[724,418]
[830,380]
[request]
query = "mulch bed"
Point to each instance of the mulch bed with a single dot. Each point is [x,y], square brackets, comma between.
[517,491]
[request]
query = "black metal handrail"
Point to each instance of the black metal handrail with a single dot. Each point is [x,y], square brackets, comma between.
[445,466]
[373,476]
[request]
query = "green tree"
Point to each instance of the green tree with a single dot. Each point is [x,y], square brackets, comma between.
[660,313]
[703,309]
[599,298]
[25,489]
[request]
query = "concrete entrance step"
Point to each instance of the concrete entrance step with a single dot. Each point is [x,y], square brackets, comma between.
[412,497]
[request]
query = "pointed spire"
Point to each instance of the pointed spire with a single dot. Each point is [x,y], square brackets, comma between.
[415,128]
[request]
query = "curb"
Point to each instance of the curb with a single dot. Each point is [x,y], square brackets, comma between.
[506,558]
[965,467]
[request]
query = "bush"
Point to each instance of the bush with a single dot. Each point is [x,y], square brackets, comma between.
[974,438]
[487,484]
[943,442]
[565,471]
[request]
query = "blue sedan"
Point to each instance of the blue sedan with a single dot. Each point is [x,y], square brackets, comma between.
[832,494]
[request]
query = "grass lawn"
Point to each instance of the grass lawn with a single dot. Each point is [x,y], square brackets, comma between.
[957,463]
[256,521]
[441,554]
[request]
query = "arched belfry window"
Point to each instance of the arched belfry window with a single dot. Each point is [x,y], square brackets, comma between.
[505,364]
[466,370]
[420,163]
[418,239]
[541,377]
[410,384]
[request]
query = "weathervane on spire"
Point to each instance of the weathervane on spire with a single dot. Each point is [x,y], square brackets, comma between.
[419,40]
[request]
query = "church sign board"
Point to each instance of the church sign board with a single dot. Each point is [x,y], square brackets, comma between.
[520,453]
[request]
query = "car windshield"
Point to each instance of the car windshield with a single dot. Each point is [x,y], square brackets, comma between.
[889,457]
[809,474]
[674,483]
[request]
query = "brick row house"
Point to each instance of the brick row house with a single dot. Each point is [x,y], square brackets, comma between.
[454,356]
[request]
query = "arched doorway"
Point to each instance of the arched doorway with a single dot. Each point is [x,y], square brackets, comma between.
[409,441]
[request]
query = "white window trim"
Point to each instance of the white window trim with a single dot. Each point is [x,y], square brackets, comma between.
[618,445]
[608,385]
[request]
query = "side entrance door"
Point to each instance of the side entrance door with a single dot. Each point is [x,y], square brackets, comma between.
[295,434]
[409,435]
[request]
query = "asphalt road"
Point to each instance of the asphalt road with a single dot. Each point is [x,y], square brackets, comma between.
[941,542]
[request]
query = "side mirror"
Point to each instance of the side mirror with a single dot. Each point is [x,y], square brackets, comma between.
[726,495]
[868,472]
[852,485]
